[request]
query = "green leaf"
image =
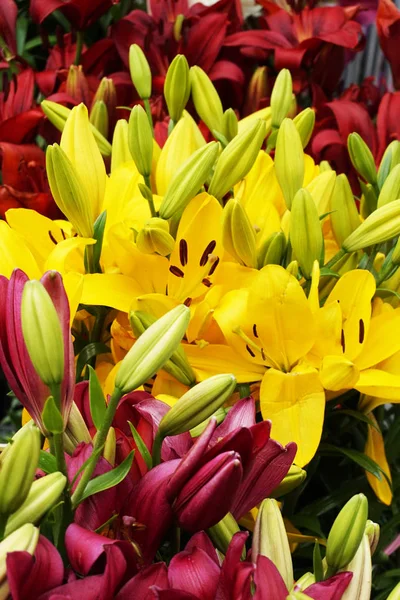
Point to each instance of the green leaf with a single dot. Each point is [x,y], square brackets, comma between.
[110,479]
[98,235]
[52,418]
[359,458]
[47,462]
[317,562]
[326,272]
[356,415]
[144,453]
[89,351]
[385,293]
[98,406]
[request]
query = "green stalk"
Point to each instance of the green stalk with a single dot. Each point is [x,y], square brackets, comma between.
[150,198]
[147,108]
[79,47]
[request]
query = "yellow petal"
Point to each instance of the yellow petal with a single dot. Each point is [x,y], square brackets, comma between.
[120,192]
[73,284]
[116,291]
[375,449]
[338,373]
[329,326]
[68,255]
[168,389]
[295,403]
[383,339]
[375,382]
[321,188]
[15,254]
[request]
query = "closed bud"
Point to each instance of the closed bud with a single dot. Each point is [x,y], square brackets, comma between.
[289,161]
[281,97]
[152,350]
[273,250]
[219,416]
[344,216]
[347,533]
[304,582]
[390,159]
[140,140]
[257,90]
[361,157]
[290,482]
[369,199]
[188,180]
[177,87]
[395,258]
[237,159]
[196,405]
[324,166]
[178,365]
[230,124]
[25,539]
[58,115]
[305,122]
[154,238]
[305,232]
[373,532]
[206,100]
[120,147]
[298,596]
[140,71]
[42,333]
[110,447]
[76,431]
[77,85]
[43,494]
[106,93]
[359,587]
[18,464]
[293,268]
[238,235]
[391,188]
[222,533]
[270,539]
[99,117]
[67,191]
[382,225]
[395,593]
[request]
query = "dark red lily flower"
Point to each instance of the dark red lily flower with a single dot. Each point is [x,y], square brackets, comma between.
[80,13]
[8,19]
[388,126]
[388,27]
[18,120]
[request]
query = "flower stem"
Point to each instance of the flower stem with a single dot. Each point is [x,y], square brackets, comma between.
[97,448]
[79,47]
[335,259]
[150,198]
[3,523]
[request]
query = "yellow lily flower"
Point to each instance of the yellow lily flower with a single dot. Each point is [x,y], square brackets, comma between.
[375,449]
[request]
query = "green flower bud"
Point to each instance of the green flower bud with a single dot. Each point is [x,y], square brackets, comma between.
[177,87]
[140,140]
[206,100]
[382,225]
[281,97]
[359,587]
[58,116]
[237,159]
[305,581]
[344,216]
[390,159]
[110,446]
[120,147]
[324,166]
[391,188]
[305,122]
[188,180]
[43,494]
[67,191]
[154,237]
[140,71]
[106,93]
[289,161]
[369,199]
[219,415]
[238,235]
[273,250]
[395,593]
[152,350]
[99,117]
[305,232]
[178,365]
[25,539]
[230,124]
[290,482]
[361,157]
[18,464]
[76,431]
[199,403]
[293,268]
[270,539]
[222,533]
[42,333]
[373,532]
[347,533]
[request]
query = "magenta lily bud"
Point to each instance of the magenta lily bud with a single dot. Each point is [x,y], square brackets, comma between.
[208,496]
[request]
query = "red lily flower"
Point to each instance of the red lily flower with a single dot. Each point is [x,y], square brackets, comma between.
[388,27]
[8,19]
[80,13]
[18,120]
[388,126]
[14,357]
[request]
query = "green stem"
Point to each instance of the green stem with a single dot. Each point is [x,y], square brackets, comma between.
[3,523]
[150,198]
[79,47]
[58,446]
[335,259]
[89,259]
[171,126]
[97,448]
[147,108]
[156,454]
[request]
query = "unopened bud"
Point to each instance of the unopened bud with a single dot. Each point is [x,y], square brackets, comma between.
[293,268]
[152,350]
[206,100]
[77,85]
[362,158]
[196,405]
[76,431]
[304,582]
[237,159]
[43,494]
[120,147]
[140,71]
[106,93]
[256,90]
[229,124]
[305,122]
[18,464]
[281,97]
[390,159]
[290,482]
[270,539]
[344,216]
[305,232]
[359,587]
[177,87]
[395,593]
[369,199]
[222,533]
[219,416]
[42,333]
[110,447]
[373,532]
[273,250]
[382,225]
[154,238]
[347,533]
[99,117]
[25,539]
[391,188]
[140,140]
[289,161]
[188,180]
[238,235]
[324,166]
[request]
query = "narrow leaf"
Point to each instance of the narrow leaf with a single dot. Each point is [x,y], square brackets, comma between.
[317,561]
[47,462]
[358,457]
[89,351]
[356,415]
[110,479]
[98,235]
[98,406]
[144,453]
[52,418]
